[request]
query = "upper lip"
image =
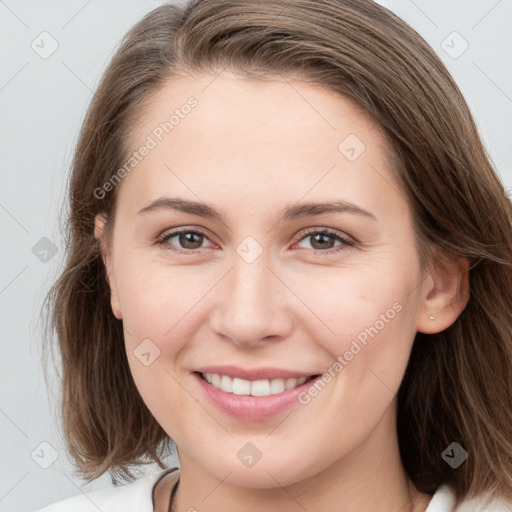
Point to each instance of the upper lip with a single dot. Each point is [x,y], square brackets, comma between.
[254,373]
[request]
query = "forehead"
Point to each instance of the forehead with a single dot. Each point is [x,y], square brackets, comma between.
[229,134]
[240,106]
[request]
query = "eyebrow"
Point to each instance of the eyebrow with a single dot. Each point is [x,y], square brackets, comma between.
[289,213]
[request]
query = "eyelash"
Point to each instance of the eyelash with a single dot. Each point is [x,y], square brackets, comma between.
[346,242]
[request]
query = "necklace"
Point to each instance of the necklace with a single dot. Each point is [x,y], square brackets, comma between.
[171,499]
[170,507]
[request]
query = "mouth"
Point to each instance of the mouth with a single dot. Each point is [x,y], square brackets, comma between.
[254,398]
[260,387]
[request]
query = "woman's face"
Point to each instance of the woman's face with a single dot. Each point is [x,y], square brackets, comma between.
[258,293]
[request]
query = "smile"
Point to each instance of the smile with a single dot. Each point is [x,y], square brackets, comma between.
[252,394]
[262,387]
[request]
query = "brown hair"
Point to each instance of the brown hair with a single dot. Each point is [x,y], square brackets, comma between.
[458,383]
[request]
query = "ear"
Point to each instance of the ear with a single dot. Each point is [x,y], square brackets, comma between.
[445,293]
[99,233]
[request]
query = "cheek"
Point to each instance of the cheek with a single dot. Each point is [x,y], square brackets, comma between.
[345,304]
[157,299]
[368,354]
[150,305]
[162,308]
[365,321]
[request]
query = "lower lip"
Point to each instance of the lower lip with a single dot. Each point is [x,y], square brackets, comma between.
[253,408]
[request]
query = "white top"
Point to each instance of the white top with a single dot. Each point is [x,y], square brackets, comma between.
[137,497]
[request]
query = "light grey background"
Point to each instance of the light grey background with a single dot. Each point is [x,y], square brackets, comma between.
[42,102]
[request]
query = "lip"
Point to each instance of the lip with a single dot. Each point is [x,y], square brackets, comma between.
[254,373]
[252,408]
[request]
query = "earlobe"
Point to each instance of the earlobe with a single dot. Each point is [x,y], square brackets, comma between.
[446,294]
[99,234]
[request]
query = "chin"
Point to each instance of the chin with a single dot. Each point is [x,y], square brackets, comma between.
[266,473]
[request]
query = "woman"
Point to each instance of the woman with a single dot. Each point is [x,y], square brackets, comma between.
[290,255]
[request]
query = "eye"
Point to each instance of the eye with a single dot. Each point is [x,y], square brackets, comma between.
[324,239]
[189,240]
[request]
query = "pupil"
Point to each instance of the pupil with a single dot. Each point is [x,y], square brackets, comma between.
[187,238]
[323,239]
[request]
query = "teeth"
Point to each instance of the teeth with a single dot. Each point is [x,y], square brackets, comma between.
[262,387]
[290,384]
[241,386]
[226,384]
[276,386]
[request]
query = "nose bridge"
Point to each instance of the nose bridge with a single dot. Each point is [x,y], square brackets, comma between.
[251,282]
[252,306]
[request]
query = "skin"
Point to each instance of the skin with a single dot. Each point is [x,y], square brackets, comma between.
[249,149]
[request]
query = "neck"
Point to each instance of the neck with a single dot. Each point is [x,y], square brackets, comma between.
[371,477]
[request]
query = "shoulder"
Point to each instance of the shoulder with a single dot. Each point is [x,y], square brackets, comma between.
[135,496]
[444,501]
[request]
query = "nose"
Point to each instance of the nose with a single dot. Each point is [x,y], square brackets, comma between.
[252,305]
